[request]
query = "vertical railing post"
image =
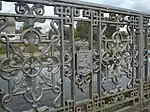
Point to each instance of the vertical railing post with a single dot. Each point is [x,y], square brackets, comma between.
[99,46]
[62,59]
[91,48]
[141,62]
[73,91]
[146,47]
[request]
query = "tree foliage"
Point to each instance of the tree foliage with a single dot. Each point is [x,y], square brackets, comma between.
[26,26]
[83,29]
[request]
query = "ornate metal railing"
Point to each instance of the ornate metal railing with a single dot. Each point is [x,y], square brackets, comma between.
[101,72]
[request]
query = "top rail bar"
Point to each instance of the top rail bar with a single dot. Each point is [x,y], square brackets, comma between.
[81,3]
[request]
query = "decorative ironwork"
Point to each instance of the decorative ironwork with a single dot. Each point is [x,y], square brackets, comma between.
[24,73]
[24,9]
[83,64]
[117,58]
[114,58]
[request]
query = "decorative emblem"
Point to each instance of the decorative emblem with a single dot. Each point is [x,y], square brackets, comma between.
[84,62]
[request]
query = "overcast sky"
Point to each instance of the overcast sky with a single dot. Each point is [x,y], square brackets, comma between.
[140,5]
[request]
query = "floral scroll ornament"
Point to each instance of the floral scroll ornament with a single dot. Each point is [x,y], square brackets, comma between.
[25,73]
[24,9]
[117,59]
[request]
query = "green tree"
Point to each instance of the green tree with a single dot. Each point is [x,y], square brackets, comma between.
[25,26]
[110,30]
[83,29]
[67,33]
[76,34]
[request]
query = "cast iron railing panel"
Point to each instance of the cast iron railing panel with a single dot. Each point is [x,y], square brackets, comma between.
[104,69]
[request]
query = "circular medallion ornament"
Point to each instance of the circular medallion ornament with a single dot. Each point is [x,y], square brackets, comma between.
[31,37]
[32,66]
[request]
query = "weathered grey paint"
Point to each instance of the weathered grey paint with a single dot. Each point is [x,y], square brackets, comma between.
[83,77]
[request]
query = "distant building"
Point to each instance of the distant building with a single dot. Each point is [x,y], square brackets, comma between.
[10,29]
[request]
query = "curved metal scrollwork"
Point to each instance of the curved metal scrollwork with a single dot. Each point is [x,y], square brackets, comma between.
[105,63]
[117,59]
[31,37]
[29,75]
[96,62]
[25,9]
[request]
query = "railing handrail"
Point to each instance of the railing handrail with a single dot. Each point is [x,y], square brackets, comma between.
[84,3]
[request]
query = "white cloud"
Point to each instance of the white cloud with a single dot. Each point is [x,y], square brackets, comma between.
[94,1]
[113,2]
[140,5]
[8,7]
[127,4]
